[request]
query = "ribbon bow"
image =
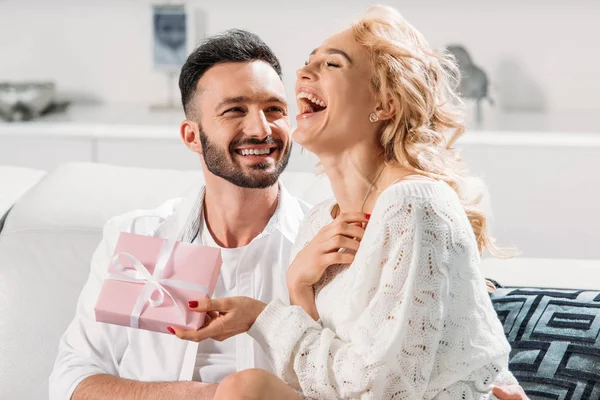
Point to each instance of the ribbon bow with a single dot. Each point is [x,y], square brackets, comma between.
[153,283]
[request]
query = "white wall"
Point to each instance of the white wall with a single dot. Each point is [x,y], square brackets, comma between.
[538,53]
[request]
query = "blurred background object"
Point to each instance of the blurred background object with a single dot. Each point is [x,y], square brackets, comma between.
[170,47]
[103,49]
[473,80]
[28,100]
[170,36]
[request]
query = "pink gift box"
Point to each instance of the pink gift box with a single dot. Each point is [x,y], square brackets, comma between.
[147,273]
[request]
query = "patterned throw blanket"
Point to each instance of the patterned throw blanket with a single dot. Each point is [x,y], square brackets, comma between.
[555,339]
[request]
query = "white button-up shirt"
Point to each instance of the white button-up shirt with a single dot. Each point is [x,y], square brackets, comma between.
[88,347]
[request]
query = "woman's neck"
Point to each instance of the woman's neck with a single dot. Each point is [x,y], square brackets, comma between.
[358,177]
[352,175]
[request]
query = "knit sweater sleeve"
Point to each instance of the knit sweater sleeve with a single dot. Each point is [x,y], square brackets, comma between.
[401,322]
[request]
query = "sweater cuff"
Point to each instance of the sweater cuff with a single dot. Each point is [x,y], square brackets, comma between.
[280,327]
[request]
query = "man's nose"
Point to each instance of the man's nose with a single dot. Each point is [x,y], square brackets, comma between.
[257,125]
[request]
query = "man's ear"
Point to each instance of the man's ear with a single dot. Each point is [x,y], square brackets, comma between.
[190,134]
[387,109]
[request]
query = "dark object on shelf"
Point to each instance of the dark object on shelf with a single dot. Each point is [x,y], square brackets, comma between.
[474,82]
[28,100]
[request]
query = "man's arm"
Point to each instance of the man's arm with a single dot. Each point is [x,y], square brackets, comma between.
[87,364]
[104,387]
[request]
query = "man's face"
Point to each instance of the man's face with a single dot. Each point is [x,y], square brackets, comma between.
[241,112]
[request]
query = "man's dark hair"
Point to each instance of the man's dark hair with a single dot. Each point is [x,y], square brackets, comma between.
[234,45]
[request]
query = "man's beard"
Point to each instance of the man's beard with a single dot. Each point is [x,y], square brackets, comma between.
[218,162]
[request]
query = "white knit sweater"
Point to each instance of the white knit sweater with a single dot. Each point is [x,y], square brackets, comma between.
[410,318]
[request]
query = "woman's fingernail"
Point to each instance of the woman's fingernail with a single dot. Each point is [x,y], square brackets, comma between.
[171,330]
[193,304]
[368,216]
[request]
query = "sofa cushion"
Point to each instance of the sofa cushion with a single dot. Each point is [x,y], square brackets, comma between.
[14,183]
[45,250]
[555,339]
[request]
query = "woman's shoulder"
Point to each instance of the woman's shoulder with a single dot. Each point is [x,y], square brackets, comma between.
[418,198]
[419,190]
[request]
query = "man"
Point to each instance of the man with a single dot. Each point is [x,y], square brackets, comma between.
[237,122]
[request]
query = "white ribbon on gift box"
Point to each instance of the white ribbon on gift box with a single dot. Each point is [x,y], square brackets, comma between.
[138,273]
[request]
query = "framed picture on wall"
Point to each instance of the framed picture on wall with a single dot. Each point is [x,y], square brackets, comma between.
[170,31]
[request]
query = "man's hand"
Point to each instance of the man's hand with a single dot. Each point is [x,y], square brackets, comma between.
[224,318]
[512,392]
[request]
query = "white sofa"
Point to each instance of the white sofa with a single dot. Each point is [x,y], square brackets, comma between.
[53,228]
[46,245]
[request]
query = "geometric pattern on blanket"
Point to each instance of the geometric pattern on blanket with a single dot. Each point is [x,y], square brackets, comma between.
[555,339]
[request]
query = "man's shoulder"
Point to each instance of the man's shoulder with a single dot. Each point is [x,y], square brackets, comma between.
[142,221]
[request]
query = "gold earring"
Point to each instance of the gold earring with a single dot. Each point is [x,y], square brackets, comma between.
[373,117]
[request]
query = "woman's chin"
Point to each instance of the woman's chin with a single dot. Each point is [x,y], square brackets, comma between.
[302,136]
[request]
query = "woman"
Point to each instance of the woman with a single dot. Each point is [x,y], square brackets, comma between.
[388,301]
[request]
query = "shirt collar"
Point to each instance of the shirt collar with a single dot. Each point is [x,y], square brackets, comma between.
[289,214]
[185,222]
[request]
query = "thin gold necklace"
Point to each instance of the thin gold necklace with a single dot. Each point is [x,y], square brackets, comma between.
[362,207]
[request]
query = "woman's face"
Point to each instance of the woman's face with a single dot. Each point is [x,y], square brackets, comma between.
[335,97]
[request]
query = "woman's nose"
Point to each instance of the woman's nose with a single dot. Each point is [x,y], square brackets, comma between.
[305,73]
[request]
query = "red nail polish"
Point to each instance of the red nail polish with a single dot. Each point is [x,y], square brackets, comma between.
[193,304]
[171,330]
[368,216]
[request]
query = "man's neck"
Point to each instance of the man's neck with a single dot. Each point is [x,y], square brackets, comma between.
[235,216]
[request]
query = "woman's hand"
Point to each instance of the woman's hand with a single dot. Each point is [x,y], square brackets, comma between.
[345,232]
[224,318]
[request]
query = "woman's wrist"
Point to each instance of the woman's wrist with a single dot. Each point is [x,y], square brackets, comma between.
[304,297]
[299,290]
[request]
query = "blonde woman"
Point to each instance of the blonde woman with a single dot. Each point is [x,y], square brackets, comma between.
[387,298]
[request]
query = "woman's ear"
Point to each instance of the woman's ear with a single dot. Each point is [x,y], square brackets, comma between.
[387,109]
[190,134]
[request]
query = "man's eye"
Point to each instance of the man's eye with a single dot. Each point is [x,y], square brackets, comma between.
[234,110]
[276,109]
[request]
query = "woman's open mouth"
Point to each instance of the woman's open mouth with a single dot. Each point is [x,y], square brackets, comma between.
[309,104]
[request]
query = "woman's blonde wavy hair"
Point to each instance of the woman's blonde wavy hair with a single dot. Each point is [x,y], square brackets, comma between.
[429,113]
